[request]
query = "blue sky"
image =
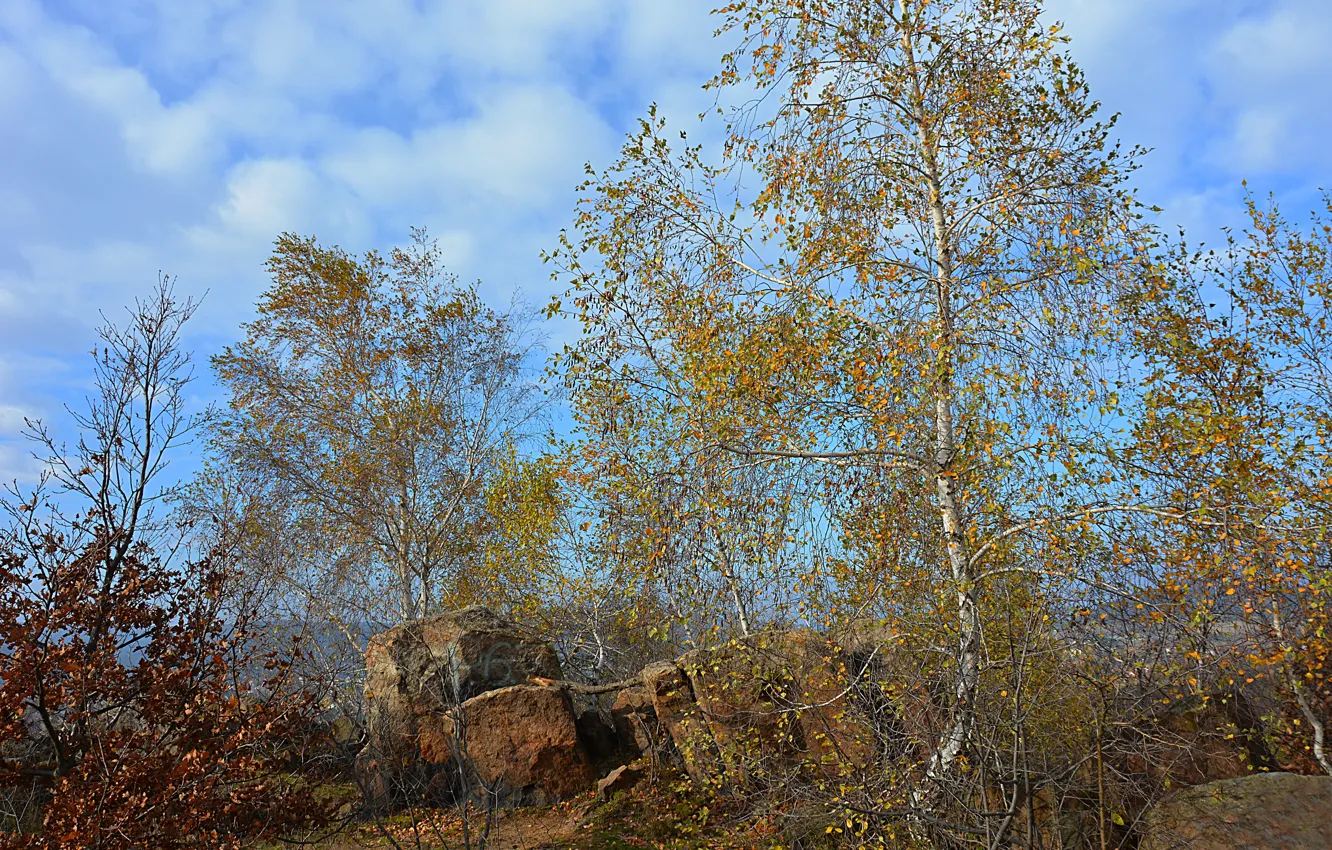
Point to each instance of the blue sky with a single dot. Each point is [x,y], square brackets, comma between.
[183,135]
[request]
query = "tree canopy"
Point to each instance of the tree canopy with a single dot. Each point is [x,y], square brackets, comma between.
[373,397]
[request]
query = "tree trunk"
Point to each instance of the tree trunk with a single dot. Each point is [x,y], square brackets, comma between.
[962,713]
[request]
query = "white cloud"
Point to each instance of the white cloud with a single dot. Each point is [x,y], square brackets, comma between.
[161,139]
[1223,90]
[154,134]
[675,38]
[1270,76]
[1288,42]
[269,196]
[13,76]
[1256,138]
[23,379]
[518,151]
[288,48]
[18,465]
[514,38]
[150,135]
[12,418]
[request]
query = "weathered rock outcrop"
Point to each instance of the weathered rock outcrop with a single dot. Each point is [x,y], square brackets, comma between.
[522,746]
[1265,811]
[777,701]
[463,704]
[449,710]
[417,676]
[758,707]
[635,722]
[681,719]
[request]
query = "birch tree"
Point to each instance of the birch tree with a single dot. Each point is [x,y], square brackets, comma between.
[373,397]
[1234,430]
[894,289]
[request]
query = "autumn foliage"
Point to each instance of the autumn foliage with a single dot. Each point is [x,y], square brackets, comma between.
[901,361]
[137,712]
[178,747]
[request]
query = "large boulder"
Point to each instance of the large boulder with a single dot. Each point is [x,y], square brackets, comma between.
[522,746]
[776,702]
[1265,811]
[417,674]
[759,708]
[680,718]
[454,657]
[635,721]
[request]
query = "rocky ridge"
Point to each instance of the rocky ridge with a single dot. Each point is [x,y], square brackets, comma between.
[466,704]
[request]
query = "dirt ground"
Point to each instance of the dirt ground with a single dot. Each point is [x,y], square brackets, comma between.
[665,814]
[519,829]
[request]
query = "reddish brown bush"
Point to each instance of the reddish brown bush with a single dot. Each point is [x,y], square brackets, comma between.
[133,711]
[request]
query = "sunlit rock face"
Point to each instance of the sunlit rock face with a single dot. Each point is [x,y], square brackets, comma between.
[418,675]
[1265,810]
[522,744]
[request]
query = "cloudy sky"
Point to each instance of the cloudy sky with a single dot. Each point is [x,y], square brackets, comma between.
[183,135]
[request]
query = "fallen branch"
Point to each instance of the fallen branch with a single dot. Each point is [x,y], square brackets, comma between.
[587,690]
